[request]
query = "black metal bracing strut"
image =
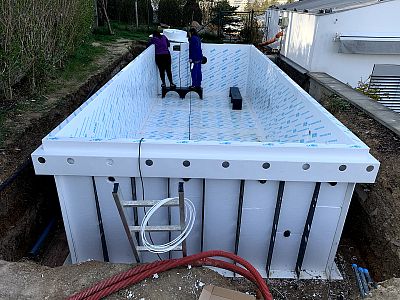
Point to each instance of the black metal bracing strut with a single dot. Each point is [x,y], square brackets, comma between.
[100,220]
[307,229]
[275,225]
[239,216]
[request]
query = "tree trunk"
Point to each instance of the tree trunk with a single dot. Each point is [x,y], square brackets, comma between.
[104,11]
[96,15]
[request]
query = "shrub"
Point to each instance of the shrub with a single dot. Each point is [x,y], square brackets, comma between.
[363,87]
[37,36]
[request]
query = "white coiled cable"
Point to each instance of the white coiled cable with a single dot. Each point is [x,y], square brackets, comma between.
[190,216]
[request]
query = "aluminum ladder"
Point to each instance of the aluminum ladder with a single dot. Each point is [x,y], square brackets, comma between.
[132,231]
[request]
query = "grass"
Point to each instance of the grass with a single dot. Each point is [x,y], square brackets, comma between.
[80,64]
[81,61]
[76,69]
[334,103]
[122,31]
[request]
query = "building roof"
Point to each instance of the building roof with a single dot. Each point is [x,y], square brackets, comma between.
[327,6]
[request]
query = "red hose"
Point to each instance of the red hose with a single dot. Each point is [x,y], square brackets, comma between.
[131,280]
[139,273]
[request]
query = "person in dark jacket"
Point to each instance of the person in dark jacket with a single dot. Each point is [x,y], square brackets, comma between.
[163,57]
[195,57]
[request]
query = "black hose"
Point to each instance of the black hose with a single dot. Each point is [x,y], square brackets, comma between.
[14,176]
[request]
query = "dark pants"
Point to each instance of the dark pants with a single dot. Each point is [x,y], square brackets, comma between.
[163,62]
[196,74]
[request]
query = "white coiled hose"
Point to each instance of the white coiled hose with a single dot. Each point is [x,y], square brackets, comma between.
[190,216]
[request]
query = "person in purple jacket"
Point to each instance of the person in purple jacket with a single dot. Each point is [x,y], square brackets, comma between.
[163,57]
[195,58]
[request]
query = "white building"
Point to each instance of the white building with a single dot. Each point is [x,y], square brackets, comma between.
[344,38]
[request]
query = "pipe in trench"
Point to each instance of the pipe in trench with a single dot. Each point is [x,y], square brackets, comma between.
[39,243]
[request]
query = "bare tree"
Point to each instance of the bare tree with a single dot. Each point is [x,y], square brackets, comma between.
[103,8]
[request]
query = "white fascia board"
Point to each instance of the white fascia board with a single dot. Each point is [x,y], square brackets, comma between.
[245,161]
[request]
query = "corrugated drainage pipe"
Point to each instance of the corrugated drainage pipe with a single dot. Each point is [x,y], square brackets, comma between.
[141,272]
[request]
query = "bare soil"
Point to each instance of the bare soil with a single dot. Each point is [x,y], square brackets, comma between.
[387,290]
[32,281]
[54,250]
[28,203]
[25,130]
[27,280]
[376,223]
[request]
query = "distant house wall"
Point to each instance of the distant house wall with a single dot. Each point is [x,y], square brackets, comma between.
[298,41]
[370,20]
[309,39]
[271,21]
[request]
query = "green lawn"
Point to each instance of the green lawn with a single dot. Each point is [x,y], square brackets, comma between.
[123,31]
[77,68]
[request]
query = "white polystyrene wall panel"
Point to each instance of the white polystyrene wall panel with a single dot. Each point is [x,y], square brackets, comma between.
[119,108]
[78,206]
[321,237]
[227,66]
[293,214]
[332,196]
[180,64]
[285,112]
[64,211]
[220,214]
[285,252]
[324,225]
[119,250]
[339,228]
[257,214]
[193,190]
[259,202]
[154,189]
[294,210]
[295,205]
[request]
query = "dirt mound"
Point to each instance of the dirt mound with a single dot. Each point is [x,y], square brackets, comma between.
[32,281]
[387,290]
